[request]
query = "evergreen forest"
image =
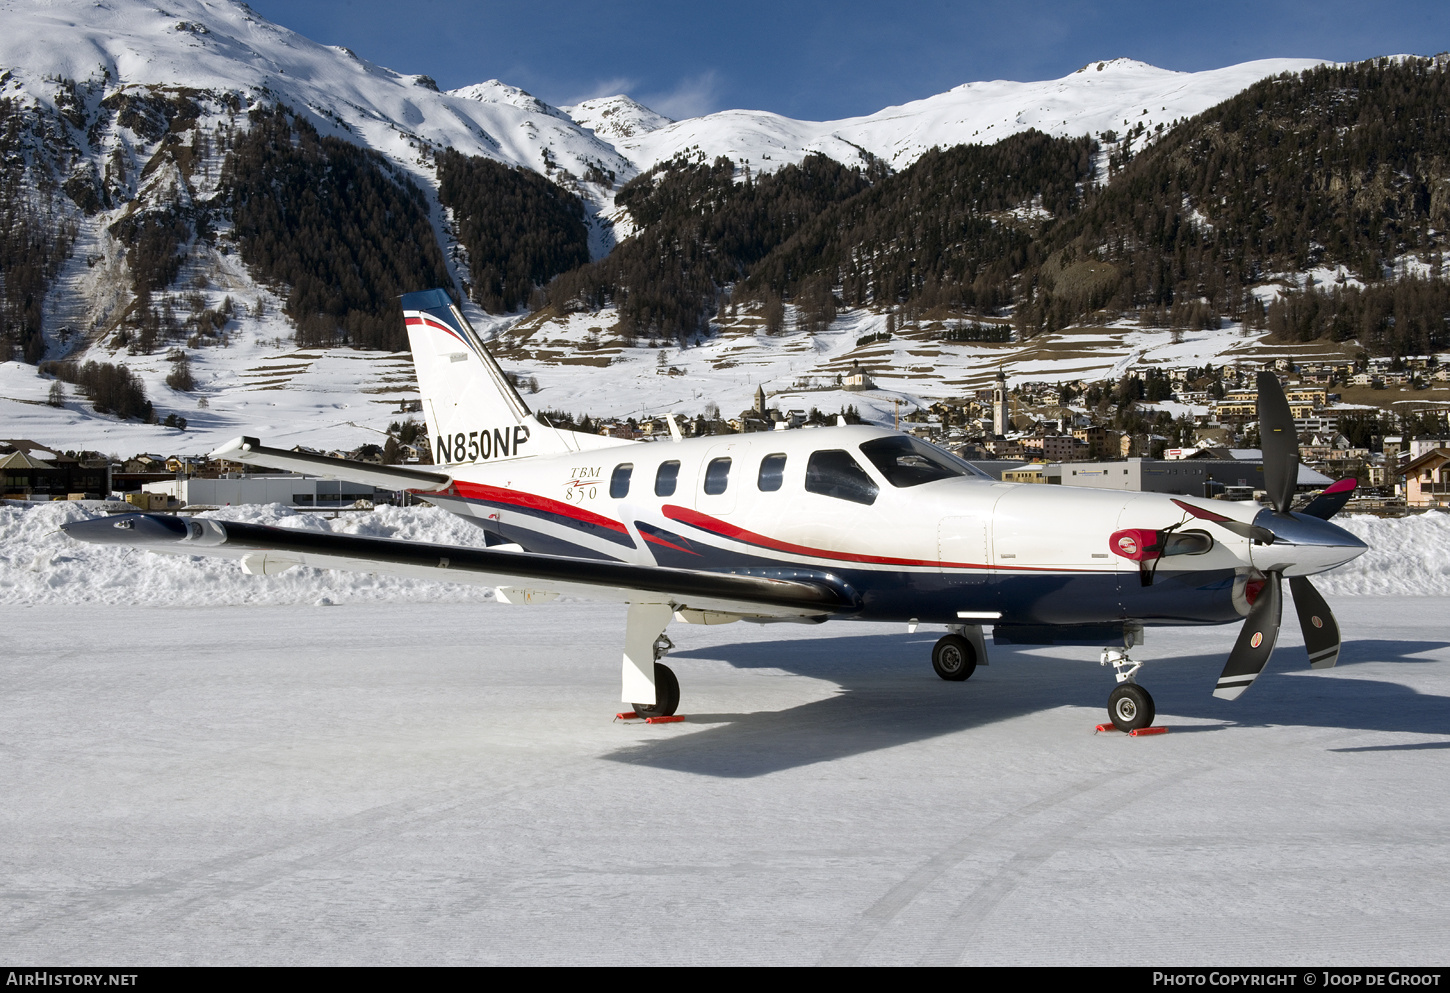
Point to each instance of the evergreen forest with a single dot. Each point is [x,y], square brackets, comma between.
[338,226]
[702,227]
[1335,167]
[519,229]
[34,241]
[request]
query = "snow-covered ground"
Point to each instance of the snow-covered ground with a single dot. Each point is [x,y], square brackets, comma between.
[442,783]
[205,767]
[263,385]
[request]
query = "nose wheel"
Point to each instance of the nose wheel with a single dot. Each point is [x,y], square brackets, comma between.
[1130,707]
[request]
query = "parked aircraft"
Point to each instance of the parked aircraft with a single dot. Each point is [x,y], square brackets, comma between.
[847,522]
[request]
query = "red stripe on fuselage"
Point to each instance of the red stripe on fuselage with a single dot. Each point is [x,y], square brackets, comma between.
[532,501]
[668,544]
[724,529]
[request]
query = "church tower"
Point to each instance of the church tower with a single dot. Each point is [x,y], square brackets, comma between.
[999,404]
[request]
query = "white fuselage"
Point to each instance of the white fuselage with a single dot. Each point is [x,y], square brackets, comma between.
[937,550]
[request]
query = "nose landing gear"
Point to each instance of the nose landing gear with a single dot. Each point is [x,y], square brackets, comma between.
[1130,707]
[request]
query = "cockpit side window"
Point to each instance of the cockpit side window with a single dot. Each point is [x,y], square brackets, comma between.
[908,461]
[834,473]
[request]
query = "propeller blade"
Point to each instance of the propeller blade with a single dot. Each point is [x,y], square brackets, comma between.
[1256,641]
[1278,441]
[1321,631]
[1251,531]
[1331,501]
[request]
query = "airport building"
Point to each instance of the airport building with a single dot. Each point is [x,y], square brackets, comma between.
[1229,478]
[301,492]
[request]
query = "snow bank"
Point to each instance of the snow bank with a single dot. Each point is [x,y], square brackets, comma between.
[39,564]
[1408,556]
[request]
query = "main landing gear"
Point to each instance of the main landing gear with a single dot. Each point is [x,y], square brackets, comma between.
[667,694]
[650,687]
[956,656]
[1130,707]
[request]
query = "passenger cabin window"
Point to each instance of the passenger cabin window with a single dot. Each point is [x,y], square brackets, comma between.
[619,480]
[908,461]
[772,473]
[665,478]
[834,473]
[717,476]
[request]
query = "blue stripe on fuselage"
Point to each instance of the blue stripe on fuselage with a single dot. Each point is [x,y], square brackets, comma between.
[935,597]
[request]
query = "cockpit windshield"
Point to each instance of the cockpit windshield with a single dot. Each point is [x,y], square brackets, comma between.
[908,461]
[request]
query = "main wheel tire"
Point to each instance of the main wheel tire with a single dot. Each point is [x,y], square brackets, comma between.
[1130,707]
[954,658]
[667,694]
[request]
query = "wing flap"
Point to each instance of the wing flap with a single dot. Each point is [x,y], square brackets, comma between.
[753,595]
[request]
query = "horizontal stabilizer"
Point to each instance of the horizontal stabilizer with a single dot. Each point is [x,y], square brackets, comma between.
[252,452]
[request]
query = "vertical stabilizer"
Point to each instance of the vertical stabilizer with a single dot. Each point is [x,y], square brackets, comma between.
[474,414]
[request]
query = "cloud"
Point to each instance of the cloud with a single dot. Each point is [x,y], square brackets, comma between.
[694,96]
[605,88]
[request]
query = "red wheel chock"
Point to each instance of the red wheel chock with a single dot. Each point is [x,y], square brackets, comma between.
[1139,733]
[632,716]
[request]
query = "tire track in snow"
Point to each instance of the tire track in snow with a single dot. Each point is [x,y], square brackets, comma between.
[173,896]
[984,900]
[851,946]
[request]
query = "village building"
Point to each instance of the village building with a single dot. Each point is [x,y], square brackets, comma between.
[1427,481]
[29,471]
[857,379]
[1000,424]
[1035,472]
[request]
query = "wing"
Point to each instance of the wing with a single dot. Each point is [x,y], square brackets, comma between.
[268,549]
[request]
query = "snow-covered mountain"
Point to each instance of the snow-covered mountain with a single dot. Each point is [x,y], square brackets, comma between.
[1101,96]
[617,118]
[63,58]
[224,46]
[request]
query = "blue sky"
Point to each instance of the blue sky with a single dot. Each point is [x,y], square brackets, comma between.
[825,60]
